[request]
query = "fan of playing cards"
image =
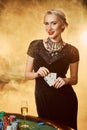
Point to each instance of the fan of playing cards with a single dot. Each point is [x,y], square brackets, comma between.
[50,78]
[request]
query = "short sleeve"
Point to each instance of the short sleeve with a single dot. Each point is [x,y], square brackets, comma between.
[74,54]
[32,48]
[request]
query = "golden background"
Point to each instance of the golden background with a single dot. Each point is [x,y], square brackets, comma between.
[21,21]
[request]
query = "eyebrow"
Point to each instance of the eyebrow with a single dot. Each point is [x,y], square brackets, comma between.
[51,22]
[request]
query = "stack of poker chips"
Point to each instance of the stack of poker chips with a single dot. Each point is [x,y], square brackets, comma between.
[6,122]
[1,119]
[1,125]
[14,125]
[10,123]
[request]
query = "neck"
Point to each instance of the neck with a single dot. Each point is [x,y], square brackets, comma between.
[57,39]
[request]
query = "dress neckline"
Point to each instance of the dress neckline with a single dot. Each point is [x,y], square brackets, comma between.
[55,50]
[51,57]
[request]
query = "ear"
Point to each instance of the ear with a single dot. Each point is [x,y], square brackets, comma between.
[63,28]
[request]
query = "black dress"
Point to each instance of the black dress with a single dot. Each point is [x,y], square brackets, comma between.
[59,105]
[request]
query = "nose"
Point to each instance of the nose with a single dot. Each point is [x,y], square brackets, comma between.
[49,27]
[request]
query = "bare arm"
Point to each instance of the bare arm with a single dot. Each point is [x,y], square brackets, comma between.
[30,74]
[73,79]
[73,74]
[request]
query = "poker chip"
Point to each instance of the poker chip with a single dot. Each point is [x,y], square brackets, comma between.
[41,123]
[9,122]
[1,125]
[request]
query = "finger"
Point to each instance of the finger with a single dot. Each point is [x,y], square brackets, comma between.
[56,84]
[59,82]
[56,81]
[43,71]
[46,70]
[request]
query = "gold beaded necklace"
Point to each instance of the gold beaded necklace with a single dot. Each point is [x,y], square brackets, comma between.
[53,46]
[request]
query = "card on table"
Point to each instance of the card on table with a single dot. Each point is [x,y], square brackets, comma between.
[50,78]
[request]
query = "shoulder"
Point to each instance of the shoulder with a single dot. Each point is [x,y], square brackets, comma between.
[33,47]
[35,43]
[72,48]
[73,53]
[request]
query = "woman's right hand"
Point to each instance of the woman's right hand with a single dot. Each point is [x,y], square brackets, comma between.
[42,72]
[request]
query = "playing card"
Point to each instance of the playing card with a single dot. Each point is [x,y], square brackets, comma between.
[50,78]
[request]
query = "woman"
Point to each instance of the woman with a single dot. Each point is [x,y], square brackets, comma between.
[57,102]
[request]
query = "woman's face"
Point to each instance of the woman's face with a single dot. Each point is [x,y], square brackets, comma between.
[53,26]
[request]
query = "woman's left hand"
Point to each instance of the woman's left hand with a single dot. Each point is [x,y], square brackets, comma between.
[59,82]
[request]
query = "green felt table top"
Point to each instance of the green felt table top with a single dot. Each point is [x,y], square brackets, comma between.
[35,125]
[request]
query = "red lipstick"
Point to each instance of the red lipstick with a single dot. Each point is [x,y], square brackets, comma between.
[51,32]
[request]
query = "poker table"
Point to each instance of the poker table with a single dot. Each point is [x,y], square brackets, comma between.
[34,123]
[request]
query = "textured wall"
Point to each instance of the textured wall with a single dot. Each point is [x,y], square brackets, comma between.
[21,21]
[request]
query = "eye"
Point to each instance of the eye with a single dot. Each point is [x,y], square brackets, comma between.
[54,23]
[46,23]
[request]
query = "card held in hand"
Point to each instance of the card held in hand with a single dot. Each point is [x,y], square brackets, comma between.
[50,78]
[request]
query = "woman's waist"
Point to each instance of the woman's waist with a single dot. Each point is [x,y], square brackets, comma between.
[42,85]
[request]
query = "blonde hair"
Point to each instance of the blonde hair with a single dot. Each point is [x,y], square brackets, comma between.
[60,14]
